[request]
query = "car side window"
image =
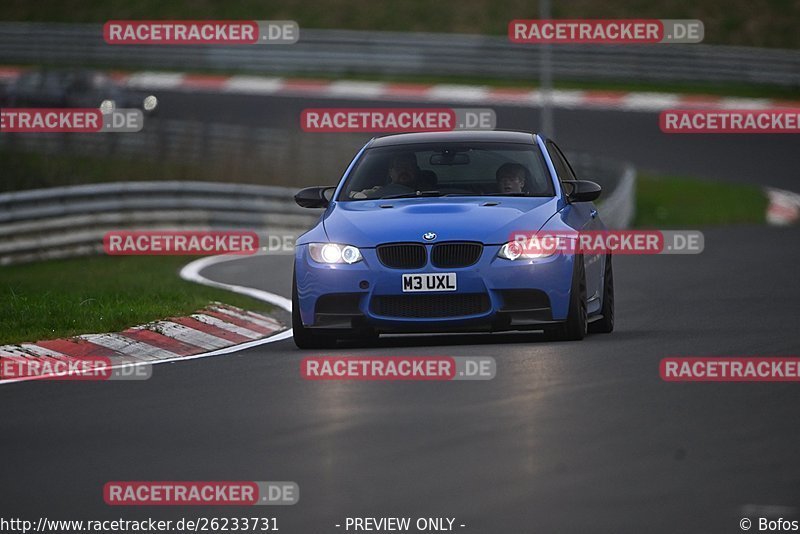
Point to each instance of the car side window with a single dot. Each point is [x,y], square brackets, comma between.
[562,166]
[567,165]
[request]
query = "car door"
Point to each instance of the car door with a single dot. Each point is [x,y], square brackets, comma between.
[583,217]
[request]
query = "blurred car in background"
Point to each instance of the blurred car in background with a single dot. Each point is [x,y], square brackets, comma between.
[70,89]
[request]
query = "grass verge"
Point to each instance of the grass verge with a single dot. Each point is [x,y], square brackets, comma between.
[677,201]
[63,298]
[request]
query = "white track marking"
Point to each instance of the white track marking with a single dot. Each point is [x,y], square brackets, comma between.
[459,93]
[192,273]
[16,352]
[131,347]
[252,85]
[565,99]
[190,335]
[784,207]
[229,327]
[36,350]
[155,80]
[744,103]
[241,316]
[649,101]
[347,88]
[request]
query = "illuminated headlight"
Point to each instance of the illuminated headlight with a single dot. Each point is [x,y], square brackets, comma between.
[150,103]
[530,249]
[334,253]
[107,106]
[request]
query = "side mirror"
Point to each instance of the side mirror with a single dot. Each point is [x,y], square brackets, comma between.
[583,191]
[313,197]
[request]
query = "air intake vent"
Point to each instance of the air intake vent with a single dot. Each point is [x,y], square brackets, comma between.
[402,255]
[430,306]
[452,255]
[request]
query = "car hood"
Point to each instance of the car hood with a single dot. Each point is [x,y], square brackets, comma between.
[491,220]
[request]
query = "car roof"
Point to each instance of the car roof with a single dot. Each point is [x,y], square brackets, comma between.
[477,136]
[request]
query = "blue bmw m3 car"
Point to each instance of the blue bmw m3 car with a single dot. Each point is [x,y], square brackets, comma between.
[417,237]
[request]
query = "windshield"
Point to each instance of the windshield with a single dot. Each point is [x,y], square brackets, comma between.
[449,169]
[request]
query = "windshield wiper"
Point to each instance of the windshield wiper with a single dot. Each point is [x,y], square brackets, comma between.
[488,195]
[413,195]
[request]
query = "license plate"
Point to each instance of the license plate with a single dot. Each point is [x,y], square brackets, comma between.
[429,282]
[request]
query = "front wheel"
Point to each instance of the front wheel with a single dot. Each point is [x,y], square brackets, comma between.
[606,324]
[306,338]
[576,325]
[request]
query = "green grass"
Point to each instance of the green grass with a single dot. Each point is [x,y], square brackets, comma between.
[63,298]
[681,202]
[771,23]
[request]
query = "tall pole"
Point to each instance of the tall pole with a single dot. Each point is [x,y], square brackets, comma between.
[546,77]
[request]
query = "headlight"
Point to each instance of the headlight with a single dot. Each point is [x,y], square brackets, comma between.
[334,253]
[531,249]
[107,106]
[150,103]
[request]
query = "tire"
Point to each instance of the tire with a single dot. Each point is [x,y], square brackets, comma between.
[306,338]
[606,324]
[576,325]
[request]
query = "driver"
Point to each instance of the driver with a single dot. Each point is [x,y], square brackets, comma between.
[403,178]
[511,178]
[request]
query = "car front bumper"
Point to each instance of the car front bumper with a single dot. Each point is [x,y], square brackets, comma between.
[492,294]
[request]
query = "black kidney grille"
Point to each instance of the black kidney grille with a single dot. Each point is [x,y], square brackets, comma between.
[402,255]
[430,306]
[451,255]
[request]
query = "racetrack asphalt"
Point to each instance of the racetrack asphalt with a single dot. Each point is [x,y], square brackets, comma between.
[569,437]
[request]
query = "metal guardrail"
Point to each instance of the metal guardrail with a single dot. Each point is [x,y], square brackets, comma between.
[342,52]
[208,151]
[71,221]
[617,204]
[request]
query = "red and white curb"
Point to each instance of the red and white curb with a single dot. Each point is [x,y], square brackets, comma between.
[784,207]
[216,330]
[439,93]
